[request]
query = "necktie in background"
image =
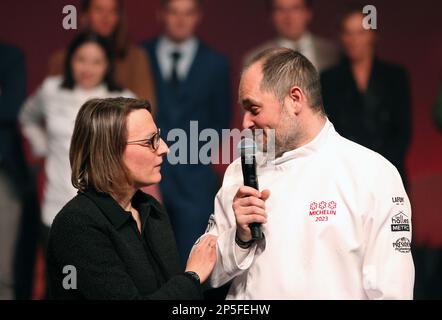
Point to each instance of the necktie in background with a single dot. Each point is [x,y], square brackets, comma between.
[174,81]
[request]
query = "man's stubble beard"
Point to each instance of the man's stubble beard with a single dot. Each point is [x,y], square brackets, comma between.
[287,132]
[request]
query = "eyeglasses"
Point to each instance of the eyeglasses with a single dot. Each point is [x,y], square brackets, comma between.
[152,142]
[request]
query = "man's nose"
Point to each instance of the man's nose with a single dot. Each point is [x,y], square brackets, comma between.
[247,122]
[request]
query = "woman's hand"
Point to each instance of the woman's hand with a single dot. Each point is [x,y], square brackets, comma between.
[202,259]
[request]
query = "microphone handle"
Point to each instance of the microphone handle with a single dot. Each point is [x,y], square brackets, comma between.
[251,180]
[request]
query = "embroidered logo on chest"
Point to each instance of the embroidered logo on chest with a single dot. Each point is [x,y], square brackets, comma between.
[322,210]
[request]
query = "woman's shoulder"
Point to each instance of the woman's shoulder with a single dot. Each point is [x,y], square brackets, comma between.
[52,83]
[80,211]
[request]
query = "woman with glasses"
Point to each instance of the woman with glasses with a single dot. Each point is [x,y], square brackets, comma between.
[113,241]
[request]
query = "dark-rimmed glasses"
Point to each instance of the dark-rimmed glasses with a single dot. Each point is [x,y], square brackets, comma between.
[152,142]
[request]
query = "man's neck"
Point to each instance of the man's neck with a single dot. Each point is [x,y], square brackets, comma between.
[363,62]
[177,42]
[297,37]
[311,128]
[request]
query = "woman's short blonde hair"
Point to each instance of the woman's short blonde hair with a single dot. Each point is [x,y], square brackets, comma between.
[98,143]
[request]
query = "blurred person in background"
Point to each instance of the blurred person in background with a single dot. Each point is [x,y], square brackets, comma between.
[366,98]
[132,67]
[18,200]
[192,84]
[47,117]
[291,19]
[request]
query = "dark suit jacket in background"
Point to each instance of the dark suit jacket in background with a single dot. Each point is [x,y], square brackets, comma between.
[380,118]
[12,95]
[96,236]
[13,163]
[188,190]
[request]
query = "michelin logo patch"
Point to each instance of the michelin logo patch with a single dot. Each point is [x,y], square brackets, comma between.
[400,222]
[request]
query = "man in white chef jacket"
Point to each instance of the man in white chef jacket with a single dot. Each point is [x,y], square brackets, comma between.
[335,215]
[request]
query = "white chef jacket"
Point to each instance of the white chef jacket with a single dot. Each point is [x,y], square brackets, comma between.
[339,227]
[47,119]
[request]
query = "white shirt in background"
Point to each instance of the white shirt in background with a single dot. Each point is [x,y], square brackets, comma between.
[187,49]
[304,45]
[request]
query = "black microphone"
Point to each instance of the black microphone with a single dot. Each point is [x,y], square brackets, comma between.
[247,148]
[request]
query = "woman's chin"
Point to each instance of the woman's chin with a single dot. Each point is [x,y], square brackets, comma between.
[156,178]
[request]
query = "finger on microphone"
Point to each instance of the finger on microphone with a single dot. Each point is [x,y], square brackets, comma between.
[265,194]
[245,191]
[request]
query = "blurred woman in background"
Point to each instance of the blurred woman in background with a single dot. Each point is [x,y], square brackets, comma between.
[132,66]
[47,117]
[366,98]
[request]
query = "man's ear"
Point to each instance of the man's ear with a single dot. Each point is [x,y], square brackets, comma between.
[297,99]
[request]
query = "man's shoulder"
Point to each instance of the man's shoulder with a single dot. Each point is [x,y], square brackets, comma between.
[211,54]
[364,159]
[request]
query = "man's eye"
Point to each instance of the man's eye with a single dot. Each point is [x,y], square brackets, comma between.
[254,110]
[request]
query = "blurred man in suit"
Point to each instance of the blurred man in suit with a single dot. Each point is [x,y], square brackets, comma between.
[291,19]
[192,84]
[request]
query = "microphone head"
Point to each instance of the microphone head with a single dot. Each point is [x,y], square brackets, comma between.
[246,147]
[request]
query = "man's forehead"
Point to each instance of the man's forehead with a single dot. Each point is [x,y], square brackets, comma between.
[251,78]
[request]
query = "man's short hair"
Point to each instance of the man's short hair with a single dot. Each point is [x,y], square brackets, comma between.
[98,143]
[284,68]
